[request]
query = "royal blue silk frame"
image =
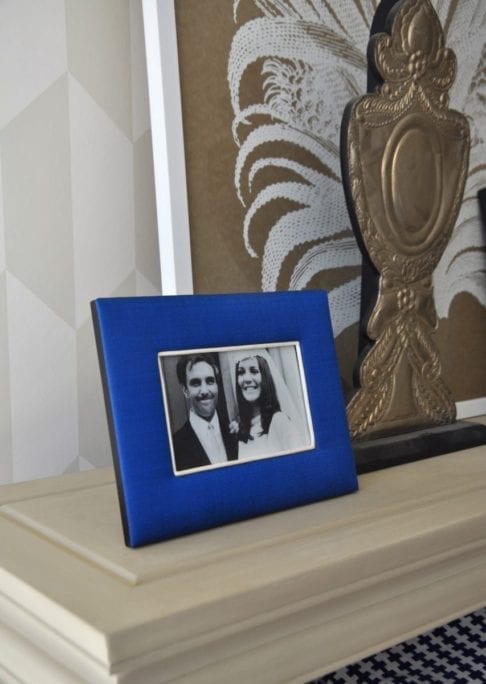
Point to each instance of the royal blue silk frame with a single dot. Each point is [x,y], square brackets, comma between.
[156,504]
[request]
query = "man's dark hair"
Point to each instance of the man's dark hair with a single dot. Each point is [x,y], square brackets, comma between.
[268,401]
[189,360]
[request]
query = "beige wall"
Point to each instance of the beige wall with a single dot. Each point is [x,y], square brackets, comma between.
[77,219]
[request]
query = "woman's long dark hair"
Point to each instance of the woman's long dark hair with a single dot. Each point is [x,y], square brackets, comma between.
[268,402]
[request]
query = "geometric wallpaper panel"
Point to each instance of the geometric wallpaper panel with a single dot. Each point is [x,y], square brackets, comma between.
[37,199]
[2,225]
[42,362]
[102,200]
[5,420]
[139,91]
[99,52]
[146,242]
[77,219]
[33,52]
[91,418]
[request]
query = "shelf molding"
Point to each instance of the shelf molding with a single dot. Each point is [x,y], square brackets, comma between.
[283,598]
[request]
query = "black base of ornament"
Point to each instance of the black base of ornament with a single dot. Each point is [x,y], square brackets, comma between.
[385,452]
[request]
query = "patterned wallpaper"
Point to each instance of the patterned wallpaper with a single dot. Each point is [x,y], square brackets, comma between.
[77,219]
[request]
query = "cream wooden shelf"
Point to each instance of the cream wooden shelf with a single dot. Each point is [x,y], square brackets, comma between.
[283,598]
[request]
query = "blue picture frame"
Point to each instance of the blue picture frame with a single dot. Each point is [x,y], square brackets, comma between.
[156,503]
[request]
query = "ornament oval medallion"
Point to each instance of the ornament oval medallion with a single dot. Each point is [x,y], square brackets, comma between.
[412,184]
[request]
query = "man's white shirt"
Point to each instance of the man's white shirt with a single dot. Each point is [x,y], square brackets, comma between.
[209,434]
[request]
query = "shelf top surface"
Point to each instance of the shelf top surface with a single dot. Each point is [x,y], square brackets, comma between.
[63,551]
[82,515]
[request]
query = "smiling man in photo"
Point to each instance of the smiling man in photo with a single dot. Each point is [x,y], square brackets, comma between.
[203,440]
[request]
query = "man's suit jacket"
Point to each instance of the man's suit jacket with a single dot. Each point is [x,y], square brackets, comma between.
[189,452]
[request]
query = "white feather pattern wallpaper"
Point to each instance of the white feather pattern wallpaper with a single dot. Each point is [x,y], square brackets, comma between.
[312,57]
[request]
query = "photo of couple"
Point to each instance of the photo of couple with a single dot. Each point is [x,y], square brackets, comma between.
[228,406]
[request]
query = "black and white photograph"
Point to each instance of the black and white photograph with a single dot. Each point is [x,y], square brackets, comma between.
[234,404]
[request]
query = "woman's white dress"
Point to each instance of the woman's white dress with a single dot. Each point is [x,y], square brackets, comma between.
[282,436]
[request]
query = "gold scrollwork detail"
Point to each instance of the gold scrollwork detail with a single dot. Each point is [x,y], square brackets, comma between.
[407,157]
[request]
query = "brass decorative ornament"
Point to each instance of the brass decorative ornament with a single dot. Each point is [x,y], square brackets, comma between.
[405,162]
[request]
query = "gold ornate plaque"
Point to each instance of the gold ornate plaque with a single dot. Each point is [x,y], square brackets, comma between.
[406,155]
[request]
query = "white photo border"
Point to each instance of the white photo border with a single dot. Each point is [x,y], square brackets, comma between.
[250,347]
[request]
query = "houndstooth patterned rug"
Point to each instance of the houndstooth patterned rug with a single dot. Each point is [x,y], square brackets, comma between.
[452,654]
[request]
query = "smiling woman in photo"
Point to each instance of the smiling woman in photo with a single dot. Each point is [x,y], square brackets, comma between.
[264,427]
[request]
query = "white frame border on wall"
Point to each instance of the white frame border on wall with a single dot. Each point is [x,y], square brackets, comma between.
[169,160]
[168,146]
